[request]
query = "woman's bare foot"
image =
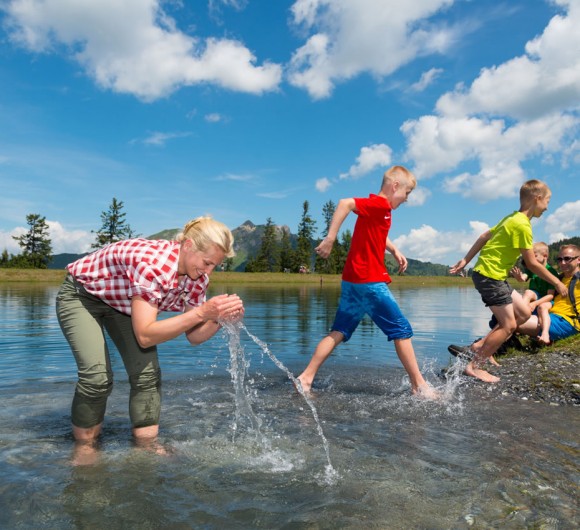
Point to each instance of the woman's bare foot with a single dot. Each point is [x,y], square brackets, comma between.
[480,374]
[85,453]
[427,392]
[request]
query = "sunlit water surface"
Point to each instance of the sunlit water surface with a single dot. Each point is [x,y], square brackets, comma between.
[246,449]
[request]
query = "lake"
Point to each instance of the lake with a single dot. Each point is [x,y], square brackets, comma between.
[248,451]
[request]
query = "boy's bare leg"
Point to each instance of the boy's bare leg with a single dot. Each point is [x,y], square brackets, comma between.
[544,321]
[321,353]
[406,354]
[490,344]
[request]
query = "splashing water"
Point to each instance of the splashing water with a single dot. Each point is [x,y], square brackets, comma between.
[238,370]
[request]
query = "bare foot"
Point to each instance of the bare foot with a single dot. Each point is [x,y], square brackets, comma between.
[305,386]
[85,453]
[427,392]
[544,338]
[480,374]
[493,361]
[151,445]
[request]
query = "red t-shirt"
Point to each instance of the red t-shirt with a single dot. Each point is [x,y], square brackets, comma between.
[365,262]
[139,267]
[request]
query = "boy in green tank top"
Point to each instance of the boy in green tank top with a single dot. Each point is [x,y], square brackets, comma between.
[539,293]
[499,248]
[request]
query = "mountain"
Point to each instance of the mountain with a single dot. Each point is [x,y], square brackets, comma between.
[248,239]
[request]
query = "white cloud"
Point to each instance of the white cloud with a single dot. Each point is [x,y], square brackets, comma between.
[564,222]
[7,242]
[418,196]
[213,117]
[427,78]
[236,177]
[160,138]
[323,184]
[73,241]
[523,109]
[62,239]
[134,47]
[369,159]
[349,38]
[428,244]
[545,80]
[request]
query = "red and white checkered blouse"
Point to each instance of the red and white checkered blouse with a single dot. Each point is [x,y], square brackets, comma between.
[139,267]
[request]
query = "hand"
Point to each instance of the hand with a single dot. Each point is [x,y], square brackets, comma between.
[401,260]
[458,267]
[222,307]
[562,290]
[325,248]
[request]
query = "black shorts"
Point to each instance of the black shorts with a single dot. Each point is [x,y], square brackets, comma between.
[493,292]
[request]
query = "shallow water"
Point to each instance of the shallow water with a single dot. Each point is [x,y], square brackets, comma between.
[469,461]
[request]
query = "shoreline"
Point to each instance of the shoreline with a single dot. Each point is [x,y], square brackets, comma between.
[548,374]
[56,276]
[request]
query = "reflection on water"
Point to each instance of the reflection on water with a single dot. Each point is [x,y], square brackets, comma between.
[400,463]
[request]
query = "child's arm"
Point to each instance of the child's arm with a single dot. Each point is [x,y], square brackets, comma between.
[477,246]
[541,271]
[401,260]
[345,206]
[546,298]
[518,274]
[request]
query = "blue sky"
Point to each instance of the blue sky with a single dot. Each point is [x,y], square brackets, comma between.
[244,109]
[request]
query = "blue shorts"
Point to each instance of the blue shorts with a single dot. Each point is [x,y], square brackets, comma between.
[375,300]
[560,328]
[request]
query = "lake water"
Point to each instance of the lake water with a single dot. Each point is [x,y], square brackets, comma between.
[246,450]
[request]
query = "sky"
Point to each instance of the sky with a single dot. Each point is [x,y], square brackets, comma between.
[244,109]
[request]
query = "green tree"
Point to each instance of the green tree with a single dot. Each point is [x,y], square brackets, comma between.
[342,249]
[268,258]
[329,265]
[36,244]
[114,227]
[305,235]
[287,258]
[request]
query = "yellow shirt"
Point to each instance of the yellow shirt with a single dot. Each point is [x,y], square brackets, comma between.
[563,305]
[501,252]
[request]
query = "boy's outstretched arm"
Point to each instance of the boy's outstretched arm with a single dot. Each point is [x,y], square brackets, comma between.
[541,271]
[472,252]
[345,206]
[401,260]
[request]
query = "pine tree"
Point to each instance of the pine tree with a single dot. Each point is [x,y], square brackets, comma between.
[36,244]
[287,258]
[114,227]
[329,265]
[268,258]
[304,241]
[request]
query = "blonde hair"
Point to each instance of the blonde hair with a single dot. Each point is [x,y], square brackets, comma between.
[541,247]
[205,231]
[399,173]
[532,189]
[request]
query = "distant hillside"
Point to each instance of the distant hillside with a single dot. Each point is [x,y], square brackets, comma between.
[248,238]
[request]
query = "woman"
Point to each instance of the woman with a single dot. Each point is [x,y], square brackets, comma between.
[121,289]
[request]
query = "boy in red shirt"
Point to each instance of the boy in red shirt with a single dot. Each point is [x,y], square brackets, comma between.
[365,278]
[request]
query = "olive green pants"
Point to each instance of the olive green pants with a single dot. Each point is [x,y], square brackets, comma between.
[84,319]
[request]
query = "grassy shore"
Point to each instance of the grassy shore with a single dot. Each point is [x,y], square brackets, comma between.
[52,276]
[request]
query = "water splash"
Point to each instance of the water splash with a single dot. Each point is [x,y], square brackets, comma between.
[238,370]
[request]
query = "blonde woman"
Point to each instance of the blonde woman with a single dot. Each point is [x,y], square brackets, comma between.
[120,289]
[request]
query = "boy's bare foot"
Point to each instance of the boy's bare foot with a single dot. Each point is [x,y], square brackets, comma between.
[427,392]
[544,338]
[493,361]
[480,374]
[305,387]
